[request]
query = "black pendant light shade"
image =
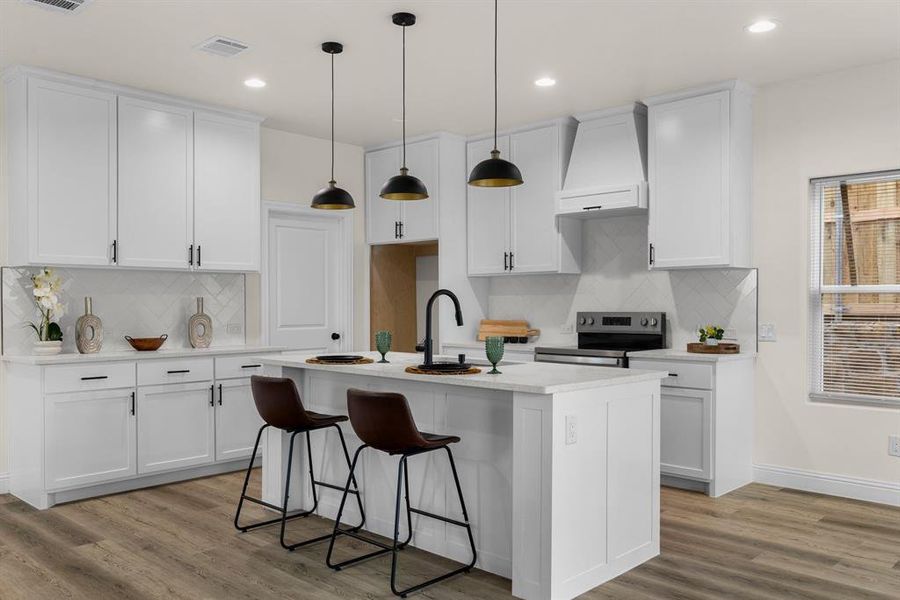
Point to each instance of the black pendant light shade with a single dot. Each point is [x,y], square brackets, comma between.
[332,197]
[404,186]
[495,171]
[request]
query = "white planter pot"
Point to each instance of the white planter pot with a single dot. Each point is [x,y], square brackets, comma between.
[712,342]
[47,348]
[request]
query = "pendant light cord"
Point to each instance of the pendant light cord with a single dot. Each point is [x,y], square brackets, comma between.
[332,118]
[403,116]
[495,75]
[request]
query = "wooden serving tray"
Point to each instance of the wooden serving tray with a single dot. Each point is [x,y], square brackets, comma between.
[721,348]
[495,327]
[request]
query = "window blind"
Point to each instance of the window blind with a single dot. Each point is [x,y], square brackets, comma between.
[855,288]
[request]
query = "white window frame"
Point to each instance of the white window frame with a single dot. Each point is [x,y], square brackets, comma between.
[817,289]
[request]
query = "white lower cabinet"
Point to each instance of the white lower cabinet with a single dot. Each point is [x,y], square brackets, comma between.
[89,438]
[685,432]
[237,420]
[176,426]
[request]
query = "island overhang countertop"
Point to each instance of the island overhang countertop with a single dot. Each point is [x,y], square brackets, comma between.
[534,378]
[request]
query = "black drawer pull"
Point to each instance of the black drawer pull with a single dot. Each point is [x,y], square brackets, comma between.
[250,366]
[95,377]
[591,207]
[673,374]
[178,371]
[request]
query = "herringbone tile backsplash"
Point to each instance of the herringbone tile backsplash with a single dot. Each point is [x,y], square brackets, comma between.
[614,277]
[135,303]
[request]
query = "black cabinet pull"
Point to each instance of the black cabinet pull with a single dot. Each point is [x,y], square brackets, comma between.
[250,366]
[95,377]
[132,403]
[506,261]
[220,394]
[115,249]
[401,230]
[510,261]
[212,395]
[652,254]
[673,374]
[591,207]
[198,255]
[191,255]
[178,371]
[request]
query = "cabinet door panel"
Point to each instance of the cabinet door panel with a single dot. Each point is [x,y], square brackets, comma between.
[689,182]
[226,193]
[685,433]
[381,215]
[237,420]
[155,184]
[487,215]
[420,217]
[175,426]
[90,438]
[71,174]
[535,237]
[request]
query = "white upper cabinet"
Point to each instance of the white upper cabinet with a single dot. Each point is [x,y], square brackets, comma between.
[62,190]
[104,175]
[515,230]
[401,221]
[156,184]
[226,193]
[699,156]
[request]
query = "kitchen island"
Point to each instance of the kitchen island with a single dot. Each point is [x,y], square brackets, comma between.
[559,465]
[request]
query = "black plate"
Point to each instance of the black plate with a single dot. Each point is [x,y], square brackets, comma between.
[448,367]
[339,358]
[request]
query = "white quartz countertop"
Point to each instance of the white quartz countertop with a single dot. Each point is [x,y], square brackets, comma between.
[126,355]
[684,355]
[535,378]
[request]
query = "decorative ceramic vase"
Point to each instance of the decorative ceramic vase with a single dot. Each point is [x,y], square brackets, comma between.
[47,348]
[493,348]
[383,344]
[200,329]
[88,330]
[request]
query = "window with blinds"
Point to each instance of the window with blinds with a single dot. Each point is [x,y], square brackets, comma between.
[855,289]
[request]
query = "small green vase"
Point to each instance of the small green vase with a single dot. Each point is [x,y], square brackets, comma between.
[383,344]
[493,348]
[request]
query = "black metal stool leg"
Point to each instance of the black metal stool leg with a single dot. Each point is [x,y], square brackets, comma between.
[462,504]
[409,527]
[287,489]
[362,512]
[237,514]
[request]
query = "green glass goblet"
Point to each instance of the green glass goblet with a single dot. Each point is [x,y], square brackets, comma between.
[493,348]
[383,344]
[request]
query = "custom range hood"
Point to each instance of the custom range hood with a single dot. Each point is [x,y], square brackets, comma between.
[607,174]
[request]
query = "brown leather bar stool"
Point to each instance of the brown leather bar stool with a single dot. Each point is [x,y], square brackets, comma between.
[280,406]
[383,421]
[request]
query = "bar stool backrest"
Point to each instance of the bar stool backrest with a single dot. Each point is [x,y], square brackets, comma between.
[383,420]
[278,402]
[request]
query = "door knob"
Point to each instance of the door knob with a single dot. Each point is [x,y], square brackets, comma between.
[335,335]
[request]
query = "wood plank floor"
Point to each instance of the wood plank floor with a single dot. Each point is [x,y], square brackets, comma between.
[177,541]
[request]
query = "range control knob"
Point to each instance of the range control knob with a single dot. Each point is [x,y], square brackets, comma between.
[582,321]
[653,322]
[590,320]
[644,321]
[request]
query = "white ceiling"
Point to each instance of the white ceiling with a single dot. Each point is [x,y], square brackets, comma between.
[602,53]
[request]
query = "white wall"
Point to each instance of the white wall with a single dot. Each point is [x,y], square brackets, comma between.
[840,123]
[294,167]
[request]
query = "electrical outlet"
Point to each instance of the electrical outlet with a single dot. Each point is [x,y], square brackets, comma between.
[571,429]
[730,333]
[233,328]
[767,332]
[894,445]
[567,328]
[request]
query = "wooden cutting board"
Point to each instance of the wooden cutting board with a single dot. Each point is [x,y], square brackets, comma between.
[507,328]
[721,348]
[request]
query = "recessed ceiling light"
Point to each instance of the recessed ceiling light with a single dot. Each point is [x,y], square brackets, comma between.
[761,26]
[545,82]
[254,82]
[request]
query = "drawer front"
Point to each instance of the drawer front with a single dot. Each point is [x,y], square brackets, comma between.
[85,378]
[177,370]
[681,374]
[230,367]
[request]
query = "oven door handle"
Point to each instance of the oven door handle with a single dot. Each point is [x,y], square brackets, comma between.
[596,361]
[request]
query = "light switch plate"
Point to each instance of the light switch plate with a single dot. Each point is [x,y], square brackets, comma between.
[233,328]
[894,445]
[567,328]
[571,429]
[767,332]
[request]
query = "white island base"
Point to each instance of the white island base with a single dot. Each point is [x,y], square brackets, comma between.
[559,466]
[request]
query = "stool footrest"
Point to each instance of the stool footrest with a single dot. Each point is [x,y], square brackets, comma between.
[339,488]
[425,513]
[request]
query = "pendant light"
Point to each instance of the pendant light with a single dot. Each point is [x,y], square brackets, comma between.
[495,171]
[404,186]
[332,197]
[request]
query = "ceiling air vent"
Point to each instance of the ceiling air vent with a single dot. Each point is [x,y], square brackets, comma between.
[69,6]
[222,46]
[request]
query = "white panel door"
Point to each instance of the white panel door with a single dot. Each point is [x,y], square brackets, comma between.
[689,182]
[71,174]
[419,218]
[226,193]
[306,262]
[535,237]
[90,438]
[382,216]
[685,432]
[156,178]
[237,420]
[176,426]
[487,216]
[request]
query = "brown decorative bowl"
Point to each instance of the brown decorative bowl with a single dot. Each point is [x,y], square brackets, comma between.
[147,344]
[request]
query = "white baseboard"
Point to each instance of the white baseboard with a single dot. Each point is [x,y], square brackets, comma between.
[869,490]
[4,483]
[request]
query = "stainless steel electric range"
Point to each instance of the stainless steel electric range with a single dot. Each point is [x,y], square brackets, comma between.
[606,338]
